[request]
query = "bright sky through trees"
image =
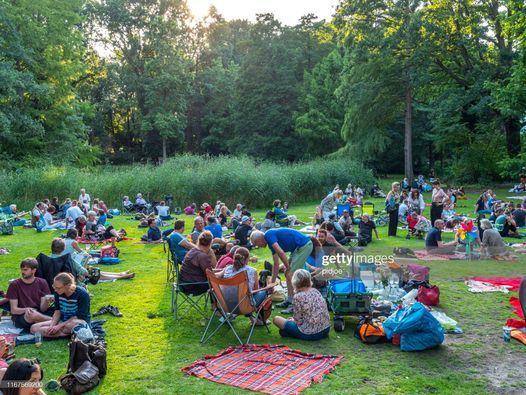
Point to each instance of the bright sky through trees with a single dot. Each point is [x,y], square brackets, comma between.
[286,11]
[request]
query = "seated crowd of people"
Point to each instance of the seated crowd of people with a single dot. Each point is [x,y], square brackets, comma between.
[55,301]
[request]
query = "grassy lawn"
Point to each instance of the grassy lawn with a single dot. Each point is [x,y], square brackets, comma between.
[147,348]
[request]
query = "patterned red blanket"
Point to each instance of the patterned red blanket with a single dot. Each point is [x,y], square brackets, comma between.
[266,368]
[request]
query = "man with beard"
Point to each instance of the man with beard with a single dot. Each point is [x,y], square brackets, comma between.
[29,296]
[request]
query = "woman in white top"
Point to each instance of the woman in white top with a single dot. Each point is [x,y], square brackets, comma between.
[163,211]
[438,198]
[416,200]
[52,224]
[84,199]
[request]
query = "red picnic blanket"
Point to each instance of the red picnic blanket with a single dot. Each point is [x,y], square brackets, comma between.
[266,368]
[513,283]
[107,241]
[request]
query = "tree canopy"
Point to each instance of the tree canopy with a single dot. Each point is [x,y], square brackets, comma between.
[407,86]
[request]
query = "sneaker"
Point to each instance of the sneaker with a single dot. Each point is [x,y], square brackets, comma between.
[101,311]
[288,310]
[114,311]
[283,305]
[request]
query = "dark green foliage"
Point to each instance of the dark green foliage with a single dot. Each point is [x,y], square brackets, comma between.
[434,85]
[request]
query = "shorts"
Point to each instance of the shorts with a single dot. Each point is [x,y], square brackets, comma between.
[291,330]
[20,322]
[299,257]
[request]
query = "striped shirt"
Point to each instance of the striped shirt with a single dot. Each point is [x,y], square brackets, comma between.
[76,305]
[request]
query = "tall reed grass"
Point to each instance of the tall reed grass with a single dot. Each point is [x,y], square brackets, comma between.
[189,178]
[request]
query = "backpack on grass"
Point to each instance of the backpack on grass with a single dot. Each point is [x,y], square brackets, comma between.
[370,331]
[6,227]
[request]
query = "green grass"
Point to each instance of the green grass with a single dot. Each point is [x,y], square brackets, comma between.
[147,348]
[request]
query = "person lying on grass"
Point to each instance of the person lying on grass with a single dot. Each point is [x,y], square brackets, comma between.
[29,296]
[280,241]
[81,259]
[311,316]
[72,308]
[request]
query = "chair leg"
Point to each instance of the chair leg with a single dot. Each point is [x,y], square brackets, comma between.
[208,326]
[252,329]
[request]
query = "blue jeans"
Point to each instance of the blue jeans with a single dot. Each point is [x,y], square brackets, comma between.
[291,330]
[259,297]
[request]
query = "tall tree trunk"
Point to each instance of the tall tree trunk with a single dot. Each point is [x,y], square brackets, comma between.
[512,129]
[408,144]
[431,157]
[164,149]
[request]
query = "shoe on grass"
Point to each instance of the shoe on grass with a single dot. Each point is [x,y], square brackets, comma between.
[101,311]
[114,311]
[283,305]
[288,310]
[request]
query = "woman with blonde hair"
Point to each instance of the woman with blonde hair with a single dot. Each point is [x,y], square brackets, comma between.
[311,316]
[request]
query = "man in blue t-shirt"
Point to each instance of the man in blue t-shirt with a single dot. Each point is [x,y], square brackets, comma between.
[434,243]
[280,241]
[179,246]
[214,228]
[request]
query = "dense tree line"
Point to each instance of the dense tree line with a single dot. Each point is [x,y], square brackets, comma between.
[406,86]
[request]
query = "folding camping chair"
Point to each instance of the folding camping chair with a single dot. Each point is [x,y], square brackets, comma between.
[182,300]
[170,265]
[49,267]
[368,208]
[232,297]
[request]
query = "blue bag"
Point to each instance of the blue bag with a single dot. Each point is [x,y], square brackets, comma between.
[109,260]
[348,286]
[114,211]
[419,330]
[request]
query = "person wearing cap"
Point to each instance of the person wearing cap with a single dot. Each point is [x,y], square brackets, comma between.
[243,231]
[329,202]
[280,241]
[346,222]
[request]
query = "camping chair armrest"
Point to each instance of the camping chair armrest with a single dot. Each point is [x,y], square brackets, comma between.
[269,286]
